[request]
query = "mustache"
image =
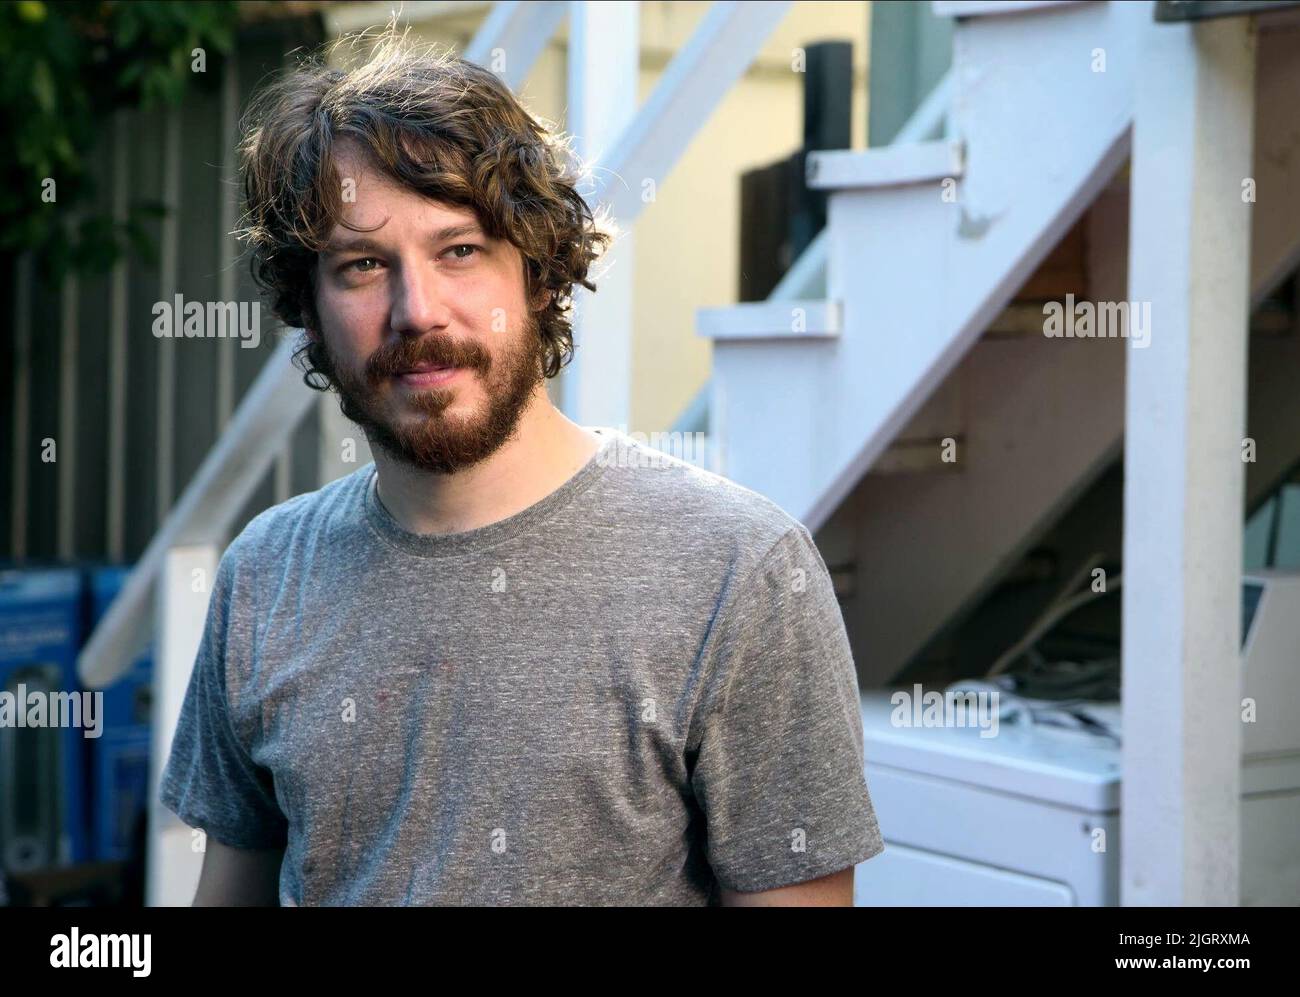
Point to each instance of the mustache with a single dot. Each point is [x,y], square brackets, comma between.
[404,354]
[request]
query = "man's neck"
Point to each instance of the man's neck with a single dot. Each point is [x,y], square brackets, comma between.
[545,452]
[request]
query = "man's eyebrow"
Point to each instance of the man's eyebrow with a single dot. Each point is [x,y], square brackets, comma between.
[457,231]
[362,244]
[358,245]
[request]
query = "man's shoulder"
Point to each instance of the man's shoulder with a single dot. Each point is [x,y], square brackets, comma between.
[698,506]
[273,531]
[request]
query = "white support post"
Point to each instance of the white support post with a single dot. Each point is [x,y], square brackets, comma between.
[513,36]
[604,68]
[729,37]
[185,586]
[637,158]
[1183,462]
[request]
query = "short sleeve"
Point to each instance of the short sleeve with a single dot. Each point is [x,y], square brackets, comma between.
[779,768]
[210,781]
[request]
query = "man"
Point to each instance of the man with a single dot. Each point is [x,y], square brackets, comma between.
[515,660]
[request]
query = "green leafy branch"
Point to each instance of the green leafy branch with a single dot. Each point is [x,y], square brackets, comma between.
[65,68]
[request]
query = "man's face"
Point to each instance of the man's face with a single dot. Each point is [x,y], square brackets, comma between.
[429,338]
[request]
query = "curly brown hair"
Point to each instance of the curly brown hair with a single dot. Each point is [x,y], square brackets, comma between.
[436,124]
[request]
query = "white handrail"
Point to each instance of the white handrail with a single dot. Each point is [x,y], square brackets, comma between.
[520,32]
[718,52]
[266,417]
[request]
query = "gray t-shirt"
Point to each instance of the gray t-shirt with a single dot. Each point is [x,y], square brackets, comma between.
[633,690]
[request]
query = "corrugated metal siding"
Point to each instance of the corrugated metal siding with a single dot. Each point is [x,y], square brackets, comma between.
[134,416]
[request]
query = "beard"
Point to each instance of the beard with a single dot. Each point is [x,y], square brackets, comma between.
[413,426]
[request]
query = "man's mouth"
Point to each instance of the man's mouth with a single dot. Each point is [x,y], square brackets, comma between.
[424,375]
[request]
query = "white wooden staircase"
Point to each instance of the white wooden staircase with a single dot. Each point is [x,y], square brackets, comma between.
[927,244]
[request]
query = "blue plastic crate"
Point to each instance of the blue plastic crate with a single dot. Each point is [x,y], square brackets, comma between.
[43,814]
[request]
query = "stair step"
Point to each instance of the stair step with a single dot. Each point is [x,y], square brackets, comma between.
[984,8]
[910,456]
[771,320]
[889,166]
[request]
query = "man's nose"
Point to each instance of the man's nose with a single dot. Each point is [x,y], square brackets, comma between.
[420,302]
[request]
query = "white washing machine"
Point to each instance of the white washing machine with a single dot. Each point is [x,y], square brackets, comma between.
[1031,817]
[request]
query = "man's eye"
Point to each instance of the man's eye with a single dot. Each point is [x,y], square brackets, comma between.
[454,251]
[364,265]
